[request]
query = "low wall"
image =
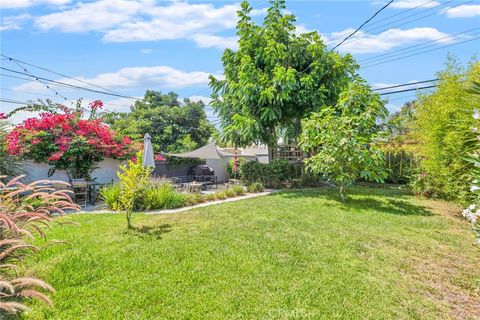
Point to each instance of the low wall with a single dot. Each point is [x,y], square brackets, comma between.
[105,173]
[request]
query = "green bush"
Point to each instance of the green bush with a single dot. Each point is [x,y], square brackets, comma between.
[160,196]
[274,174]
[255,187]
[238,190]
[220,195]
[111,195]
[230,193]
[442,127]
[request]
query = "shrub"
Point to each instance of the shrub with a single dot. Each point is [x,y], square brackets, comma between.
[229,193]
[274,174]
[192,199]
[220,195]
[111,195]
[160,196]
[210,197]
[238,190]
[133,181]
[19,220]
[255,187]
[442,127]
[67,141]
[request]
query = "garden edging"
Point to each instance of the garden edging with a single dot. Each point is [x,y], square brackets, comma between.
[205,204]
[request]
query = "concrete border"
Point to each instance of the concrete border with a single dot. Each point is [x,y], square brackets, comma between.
[200,205]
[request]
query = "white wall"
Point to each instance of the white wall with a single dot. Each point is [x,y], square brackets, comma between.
[106,172]
[220,168]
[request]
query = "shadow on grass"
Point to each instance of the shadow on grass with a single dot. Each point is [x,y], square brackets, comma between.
[364,199]
[151,231]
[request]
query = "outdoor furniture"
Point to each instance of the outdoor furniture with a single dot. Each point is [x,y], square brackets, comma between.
[235,182]
[204,181]
[194,187]
[80,191]
[94,191]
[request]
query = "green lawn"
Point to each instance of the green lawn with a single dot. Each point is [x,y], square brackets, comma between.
[291,255]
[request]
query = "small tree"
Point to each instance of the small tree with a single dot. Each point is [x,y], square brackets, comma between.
[67,141]
[340,139]
[133,178]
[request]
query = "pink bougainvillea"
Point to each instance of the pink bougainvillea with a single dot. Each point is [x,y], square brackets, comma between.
[68,142]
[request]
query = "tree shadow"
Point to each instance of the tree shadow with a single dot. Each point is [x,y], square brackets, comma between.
[151,231]
[361,200]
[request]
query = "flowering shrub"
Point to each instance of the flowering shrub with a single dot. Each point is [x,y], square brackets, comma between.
[67,141]
[25,211]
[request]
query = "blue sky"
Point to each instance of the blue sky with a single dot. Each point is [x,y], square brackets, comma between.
[130,46]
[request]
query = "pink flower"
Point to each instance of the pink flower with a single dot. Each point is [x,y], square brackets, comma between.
[3,116]
[56,156]
[159,157]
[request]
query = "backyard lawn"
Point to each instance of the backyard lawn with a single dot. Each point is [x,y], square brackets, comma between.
[291,255]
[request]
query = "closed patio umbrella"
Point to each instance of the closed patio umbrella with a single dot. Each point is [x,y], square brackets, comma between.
[148,156]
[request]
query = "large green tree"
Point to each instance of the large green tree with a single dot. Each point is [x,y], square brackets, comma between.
[275,78]
[175,126]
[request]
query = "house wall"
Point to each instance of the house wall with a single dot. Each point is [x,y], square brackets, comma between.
[105,173]
[220,168]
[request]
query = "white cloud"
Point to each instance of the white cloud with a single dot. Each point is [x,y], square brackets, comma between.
[204,99]
[28,3]
[146,51]
[368,43]
[463,11]
[14,22]
[146,20]
[91,16]
[407,4]
[210,40]
[133,77]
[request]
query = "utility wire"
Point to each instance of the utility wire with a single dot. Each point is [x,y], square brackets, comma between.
[418,53]
[407,90]
[405,84]
[394,53]
[57,73]
[27,72]
[363,24]
[70,85]
[392,16]
[382,28]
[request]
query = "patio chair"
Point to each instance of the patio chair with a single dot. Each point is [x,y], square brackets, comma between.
[80,191]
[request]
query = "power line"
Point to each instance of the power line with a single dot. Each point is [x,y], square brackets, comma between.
[27,72]
[395,52]
[403,12]
[357,38]
[363,24]
[405,84]
[57,73]
[70,85]
[392,16]
[418,53]
[407,90]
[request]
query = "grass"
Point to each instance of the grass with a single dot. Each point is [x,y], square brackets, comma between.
[291,255]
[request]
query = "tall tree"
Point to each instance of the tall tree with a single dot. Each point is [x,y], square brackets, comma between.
[275,78]
[175,126]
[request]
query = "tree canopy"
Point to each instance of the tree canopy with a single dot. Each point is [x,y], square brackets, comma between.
[275,78]
[341,139]
[175,126]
